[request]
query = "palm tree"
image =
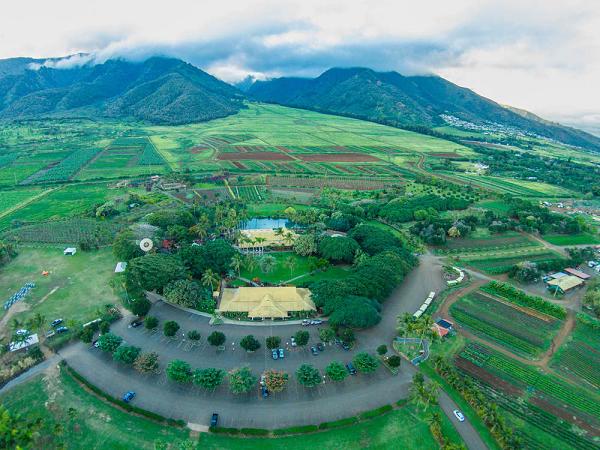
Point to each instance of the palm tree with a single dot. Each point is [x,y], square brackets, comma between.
[210,278]
[278,231]
[36,323]
[16,324]
[260,240]
[288,238]
[250,263]
[290,263]
[267,263]
[21,337]
[236,263]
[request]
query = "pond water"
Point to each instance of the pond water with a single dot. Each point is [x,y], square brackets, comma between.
[269,223]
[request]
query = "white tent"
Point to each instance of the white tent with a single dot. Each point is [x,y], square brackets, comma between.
[70,251]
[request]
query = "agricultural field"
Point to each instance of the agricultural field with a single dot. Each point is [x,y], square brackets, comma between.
[518,329]
[500,261]
[572,239]
[481,240]
[546,412]
[74,289]
[68,201]
[70,232]
[579,358]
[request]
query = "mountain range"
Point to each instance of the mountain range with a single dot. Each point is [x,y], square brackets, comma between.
[170,91]
[397,100]
[158,90]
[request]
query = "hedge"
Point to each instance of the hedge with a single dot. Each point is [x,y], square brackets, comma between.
[254,431]
[338,423]
[224,430]
[120,403]
[296,430]
[376,412]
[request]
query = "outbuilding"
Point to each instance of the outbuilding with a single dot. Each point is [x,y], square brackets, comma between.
[577,273]
[69,251]
[564,284]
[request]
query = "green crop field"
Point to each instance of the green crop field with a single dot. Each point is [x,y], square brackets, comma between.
[572,239]
[500,261]
[483,241]
[544,410]
[518,329]
[579,358]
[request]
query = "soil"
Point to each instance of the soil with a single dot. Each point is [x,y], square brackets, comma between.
[239,165]
[199,149]
[488,378]
[255,156]
[563,414]
[337,157]
[446,155]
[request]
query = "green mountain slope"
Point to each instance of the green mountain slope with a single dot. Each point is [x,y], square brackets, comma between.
[158,90]
[405,101]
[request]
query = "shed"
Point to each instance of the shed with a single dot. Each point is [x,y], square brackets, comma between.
[565,284]
[557,275]
[120,267]
[445,324]
[441,331]
[69,251]
[31,340]
[577,273]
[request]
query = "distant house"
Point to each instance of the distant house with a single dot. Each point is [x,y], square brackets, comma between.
[69,251]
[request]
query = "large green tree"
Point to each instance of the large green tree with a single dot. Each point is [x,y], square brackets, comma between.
[306,244]
[209,378]
[365,362]
[250,343]
[338,249]
[308,375]
[146,362]
[125,246]
[153,272]
[109,342]
[216,338]
[275,380]
[241,380]
[126,354]
[185,293]
[180,371]
[336,371]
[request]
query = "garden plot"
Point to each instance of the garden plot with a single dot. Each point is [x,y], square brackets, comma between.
[545,411]
[518,329]
[579,358]
[66,232]
[496,262]
[338,182]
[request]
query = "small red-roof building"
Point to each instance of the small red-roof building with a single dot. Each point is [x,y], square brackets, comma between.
[577,273]
[441,331]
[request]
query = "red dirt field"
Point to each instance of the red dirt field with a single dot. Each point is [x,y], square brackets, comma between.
[563,414]
[445,155]
[342,168]
[337,157]
[255,156]
[249,148]
[198,149]
[486,377]
[239,165]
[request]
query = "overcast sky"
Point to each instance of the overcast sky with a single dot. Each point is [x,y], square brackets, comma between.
[543,56]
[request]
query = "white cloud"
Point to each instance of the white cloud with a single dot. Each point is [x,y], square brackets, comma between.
[539,55]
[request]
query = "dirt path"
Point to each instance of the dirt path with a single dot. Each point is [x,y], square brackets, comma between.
[548,245]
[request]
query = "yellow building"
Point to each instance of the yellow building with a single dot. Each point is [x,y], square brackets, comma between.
[565,284]
[266,302]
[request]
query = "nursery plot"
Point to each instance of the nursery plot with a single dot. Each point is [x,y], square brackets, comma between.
[66,232]
[510,326]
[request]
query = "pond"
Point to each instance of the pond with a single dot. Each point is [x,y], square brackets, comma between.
[269,223]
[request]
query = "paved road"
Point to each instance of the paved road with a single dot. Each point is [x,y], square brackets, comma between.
[296,405]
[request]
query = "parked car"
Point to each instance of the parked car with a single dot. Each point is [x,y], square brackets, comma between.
[316,322]
[56,322]
[50,333]
[305,322]
[264,391]
[95,344]
[262,380]
[128,396]
[214,420]
[592,264]
[351,368]
[281,354]
[345,346]
[275,353]
[61,330]
[293,341]
[135,323]
[320,346]
[459,415]
[314,350]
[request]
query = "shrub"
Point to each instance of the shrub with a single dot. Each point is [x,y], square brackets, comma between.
[109,342]
[382,349]
[209,378]
[216,338]
[170,328]
[301,337]
[336,371]
[146,362]
[249,343]
[179,371]
[86,335]
[365,363]
[308,375]
[193,335]
[394,361]
[273,342]
[151,322]
[241,380]
[126,354]
[376,412]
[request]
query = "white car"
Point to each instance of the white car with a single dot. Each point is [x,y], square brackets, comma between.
[293,342]
[459,415]
[262,380]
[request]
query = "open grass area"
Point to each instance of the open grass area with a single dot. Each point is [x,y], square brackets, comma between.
[75,287]
[280,272]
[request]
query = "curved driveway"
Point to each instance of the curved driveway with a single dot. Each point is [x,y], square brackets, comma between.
[296,405]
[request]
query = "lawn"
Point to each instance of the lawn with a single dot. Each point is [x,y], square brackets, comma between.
[82,282]
[398,429]
[280,272]
[497,206]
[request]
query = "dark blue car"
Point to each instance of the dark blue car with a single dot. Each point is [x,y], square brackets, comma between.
[128,396]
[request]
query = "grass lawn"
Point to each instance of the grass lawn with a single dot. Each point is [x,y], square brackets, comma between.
[573,239]
[82,281]
[497,206]
[332,273]
[97,424]
[280,272]
[398,429]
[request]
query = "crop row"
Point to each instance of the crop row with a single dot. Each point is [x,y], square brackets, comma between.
[536,416]
[68,231]
[5,160]
[514,295]
[68,167]
[580,361]
[249,193]
[570,395]
[489,330]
